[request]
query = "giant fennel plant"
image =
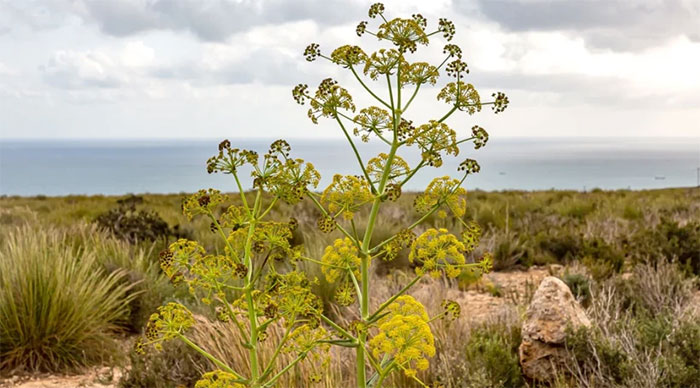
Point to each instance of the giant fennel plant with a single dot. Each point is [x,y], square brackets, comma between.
[255,283]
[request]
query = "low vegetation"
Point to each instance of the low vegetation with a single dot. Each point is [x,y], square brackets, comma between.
[642,320]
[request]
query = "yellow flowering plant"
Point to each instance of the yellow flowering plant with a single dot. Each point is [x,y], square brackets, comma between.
[255,282]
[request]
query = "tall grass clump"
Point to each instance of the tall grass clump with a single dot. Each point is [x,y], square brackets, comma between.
[59,310]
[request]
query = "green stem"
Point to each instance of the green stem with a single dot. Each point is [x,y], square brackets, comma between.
[270,364]
[394,297]
[354,149]
[352,69]
[338,328]
[241,192]
[223,235]
[213,359]
[384,373]
[289,366]
[252,314]
[272,204]
[411,99]
[448,114]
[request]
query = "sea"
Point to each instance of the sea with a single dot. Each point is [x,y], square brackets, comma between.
[116,167]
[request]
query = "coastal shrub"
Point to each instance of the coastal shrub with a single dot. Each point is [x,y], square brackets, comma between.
[682,365]
[671,241]
[564,247]
[178,365]
[255,283]
[596,359]
[492,356]
[134,226]
[58,309]
[580,286]
[601,258]
[658,288]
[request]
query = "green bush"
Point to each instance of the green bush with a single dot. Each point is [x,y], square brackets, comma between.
[601,258]
[683,365]
[601,360]
[58,308]
[580,286]
[492,355]
[176,366]
[564,247]
[671,241]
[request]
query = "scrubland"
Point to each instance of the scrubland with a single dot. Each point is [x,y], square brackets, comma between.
[79,276]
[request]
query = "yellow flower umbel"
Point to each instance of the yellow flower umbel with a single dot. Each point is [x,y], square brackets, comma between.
[340,257]
[437,250]
[442,191]
[339,260]
[405,336]
[202,202]
[346,194]
[218,379]
[171,321]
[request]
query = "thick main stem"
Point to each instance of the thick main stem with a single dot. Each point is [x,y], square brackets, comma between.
[252,314]
[367,239]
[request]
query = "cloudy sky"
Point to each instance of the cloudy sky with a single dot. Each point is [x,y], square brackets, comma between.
[225,68]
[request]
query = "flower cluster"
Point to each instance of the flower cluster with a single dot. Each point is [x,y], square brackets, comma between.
[235,217]
[375,168]
[456,68]
[452,309]
[434,139]
[284,177]
[326,224]
[403,33]
[463,96]
[186,261]
[469,166]
[402,240]
[372,119]
[228,160]
[376,9]
[348,56]
[169,322]
[442,191]
[453,51]
[340,258]
[420,20]
[202,202]
[312,52]
[500,103]
[447,28]
[329,97]
[404,336]
[383,62]
[471,236]
[361,28]
[420,73]
[437,250]
[480,136]
[218,379]
[346,194]
[292,296]
[307,341]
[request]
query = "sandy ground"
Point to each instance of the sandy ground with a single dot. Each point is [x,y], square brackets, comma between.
[105,377]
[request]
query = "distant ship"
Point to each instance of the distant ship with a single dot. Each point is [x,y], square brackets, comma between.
[659,178]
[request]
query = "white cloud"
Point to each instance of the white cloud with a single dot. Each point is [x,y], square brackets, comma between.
[231,64]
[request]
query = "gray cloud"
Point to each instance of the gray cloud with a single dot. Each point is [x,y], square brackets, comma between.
[73,70]
[213,20]
[616,24]
[266,66]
